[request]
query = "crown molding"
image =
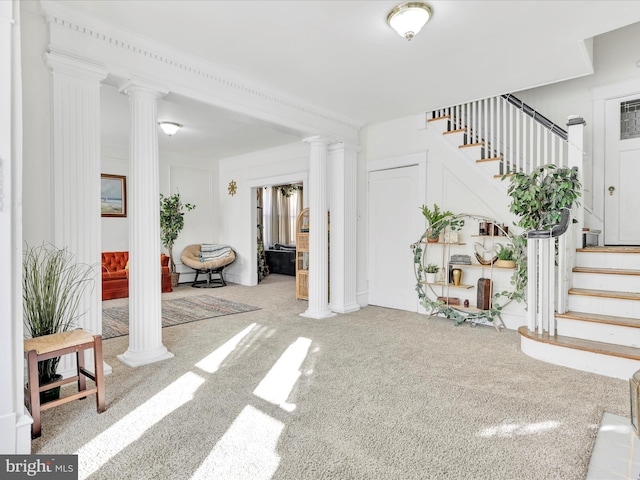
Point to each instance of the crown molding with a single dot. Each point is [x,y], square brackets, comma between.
[129,55]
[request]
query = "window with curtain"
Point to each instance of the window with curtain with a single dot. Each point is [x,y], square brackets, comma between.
[282,204]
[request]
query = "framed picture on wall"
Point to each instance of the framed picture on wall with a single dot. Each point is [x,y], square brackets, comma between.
[113,195]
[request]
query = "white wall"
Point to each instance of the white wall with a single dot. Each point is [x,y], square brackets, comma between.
[237,221]
[451,181]
[615,60]
[37,175]
[195,179]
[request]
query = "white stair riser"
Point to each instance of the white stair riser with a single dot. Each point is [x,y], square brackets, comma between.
[601,281]
[439,126]
[608,260]
[472,153]
[492,168]
[604,306]
[610,366]
[455,139]
[599,332]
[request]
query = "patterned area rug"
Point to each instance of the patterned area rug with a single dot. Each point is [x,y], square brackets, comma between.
[115,320]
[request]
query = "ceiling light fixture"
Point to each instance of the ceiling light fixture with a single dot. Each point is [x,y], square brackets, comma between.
[169,127]
[408,18]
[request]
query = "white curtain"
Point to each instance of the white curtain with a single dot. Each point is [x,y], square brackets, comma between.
[279,216]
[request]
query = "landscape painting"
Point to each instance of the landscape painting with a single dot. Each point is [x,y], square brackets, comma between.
[113,195]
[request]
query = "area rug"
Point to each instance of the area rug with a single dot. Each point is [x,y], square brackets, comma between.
[115,320]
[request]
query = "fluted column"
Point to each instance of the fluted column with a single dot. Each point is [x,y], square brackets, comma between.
[145,308]
[342,178]
[75,107]
[318,231]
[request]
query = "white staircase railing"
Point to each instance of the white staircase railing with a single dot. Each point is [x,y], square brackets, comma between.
[522,140]
[509,130]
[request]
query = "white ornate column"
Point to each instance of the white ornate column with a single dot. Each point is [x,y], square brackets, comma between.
[318,231]
[342,178]
[75,96]
[145,308]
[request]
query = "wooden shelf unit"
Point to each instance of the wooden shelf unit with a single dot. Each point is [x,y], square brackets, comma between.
[302,255]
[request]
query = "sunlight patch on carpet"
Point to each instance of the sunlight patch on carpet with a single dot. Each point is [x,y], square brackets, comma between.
[277,384]
[518,429]
[246,450]
[131,427]
[115,320]
[212,362]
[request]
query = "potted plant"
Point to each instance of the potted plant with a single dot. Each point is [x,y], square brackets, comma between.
[171,224]
[431,270]
[538,199]
[52,287]
[506,256]
[439,220]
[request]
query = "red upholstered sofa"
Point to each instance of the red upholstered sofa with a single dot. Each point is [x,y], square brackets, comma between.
[115,275]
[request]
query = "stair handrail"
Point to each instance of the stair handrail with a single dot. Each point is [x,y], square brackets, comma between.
[537,116]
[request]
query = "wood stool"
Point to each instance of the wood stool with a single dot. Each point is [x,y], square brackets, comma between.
[55,345]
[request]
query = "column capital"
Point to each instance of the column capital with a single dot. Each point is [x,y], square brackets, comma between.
[78,67]
[349,147]
[317,140]
[141,88]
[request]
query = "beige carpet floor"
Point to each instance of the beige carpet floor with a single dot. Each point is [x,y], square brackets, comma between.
[377,394]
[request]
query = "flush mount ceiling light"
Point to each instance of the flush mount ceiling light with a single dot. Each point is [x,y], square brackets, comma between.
[408,18]
[169,127]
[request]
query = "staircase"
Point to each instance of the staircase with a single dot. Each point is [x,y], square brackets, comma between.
[600,331]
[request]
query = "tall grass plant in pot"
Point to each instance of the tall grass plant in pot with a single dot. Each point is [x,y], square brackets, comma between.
[52,287]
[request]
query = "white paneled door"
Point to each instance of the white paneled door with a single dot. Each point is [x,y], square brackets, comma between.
[622,172]
[395,222]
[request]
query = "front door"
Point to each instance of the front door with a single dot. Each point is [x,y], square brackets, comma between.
[622,172]
[395,222]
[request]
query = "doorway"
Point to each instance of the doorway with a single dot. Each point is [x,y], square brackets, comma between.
[622,169]
[394,224]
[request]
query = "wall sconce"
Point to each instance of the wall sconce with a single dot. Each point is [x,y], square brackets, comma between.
[408,18]
[169,127]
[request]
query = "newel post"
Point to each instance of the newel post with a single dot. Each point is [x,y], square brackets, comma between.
[575,158]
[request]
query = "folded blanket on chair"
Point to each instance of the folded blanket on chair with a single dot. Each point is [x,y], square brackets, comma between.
[212,254]
[212,247]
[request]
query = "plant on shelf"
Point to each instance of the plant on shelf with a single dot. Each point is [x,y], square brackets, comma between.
[52,287]
[538,199]
[438,220]
[506,256]
[171,224]
[432,268]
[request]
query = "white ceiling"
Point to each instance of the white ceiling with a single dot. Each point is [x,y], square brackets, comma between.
[341,55]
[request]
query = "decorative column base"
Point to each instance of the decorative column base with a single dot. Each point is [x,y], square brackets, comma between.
[318,315]
[137,359]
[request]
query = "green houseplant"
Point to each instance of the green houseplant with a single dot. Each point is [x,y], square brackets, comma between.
[538,199]
[431,270]
[171,224]
[506,256]
[438,220]
[52,287]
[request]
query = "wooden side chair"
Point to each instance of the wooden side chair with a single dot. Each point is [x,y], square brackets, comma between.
[55,345]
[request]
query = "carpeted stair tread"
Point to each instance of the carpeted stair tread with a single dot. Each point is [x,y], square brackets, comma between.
[605,294]
[598,318]
[601,348]
[606,271]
